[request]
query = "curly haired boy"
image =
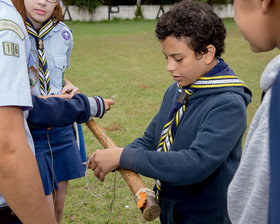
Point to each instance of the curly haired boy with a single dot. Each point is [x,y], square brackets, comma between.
[192,146]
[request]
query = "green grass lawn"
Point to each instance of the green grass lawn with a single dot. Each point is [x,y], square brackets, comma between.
[124,59]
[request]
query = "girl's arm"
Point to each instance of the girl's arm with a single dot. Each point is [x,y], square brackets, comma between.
[68,87]
[21,184]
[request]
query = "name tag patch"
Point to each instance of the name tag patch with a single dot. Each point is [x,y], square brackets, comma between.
[11,49]
[10,25]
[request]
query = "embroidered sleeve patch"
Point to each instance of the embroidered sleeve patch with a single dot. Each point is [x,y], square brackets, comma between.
[11,49]
[11,25]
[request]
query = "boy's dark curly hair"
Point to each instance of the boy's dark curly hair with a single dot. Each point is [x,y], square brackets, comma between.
[194,22]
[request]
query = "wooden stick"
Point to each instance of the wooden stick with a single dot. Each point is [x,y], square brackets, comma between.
[151,209]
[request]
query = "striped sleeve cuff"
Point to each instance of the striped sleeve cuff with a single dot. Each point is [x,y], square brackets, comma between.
[97,106]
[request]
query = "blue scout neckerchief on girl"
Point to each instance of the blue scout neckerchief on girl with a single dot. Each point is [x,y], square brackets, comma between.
[210,80]
[44,75]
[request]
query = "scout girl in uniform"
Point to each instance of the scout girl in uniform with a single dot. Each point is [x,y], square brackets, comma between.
[56,149]
[192,147]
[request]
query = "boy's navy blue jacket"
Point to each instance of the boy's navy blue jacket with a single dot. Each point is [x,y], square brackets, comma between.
[58,112]
[206,151]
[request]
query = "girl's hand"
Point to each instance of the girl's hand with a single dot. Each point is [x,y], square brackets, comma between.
[104,161]
[69,88]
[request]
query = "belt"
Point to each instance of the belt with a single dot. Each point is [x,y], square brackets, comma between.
[33,127]
[7,216]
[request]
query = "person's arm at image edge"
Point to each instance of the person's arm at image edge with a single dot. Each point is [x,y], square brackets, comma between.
[22,187]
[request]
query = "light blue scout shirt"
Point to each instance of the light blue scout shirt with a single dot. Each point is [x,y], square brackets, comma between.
[14,58]
[58,44]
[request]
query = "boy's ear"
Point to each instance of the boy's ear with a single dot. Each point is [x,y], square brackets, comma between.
[210,55]
[265,5]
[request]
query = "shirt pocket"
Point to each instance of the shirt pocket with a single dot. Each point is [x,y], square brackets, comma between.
[57,73]
[60,63]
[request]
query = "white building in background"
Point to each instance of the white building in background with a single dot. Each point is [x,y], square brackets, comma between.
[128,12]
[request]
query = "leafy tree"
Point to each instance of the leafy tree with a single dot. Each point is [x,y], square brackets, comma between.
[90,4]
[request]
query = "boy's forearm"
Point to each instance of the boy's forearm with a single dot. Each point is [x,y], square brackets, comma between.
[57,112]
[22,189]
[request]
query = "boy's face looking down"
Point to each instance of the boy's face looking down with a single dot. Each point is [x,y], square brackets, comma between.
[182,63]
[254,23]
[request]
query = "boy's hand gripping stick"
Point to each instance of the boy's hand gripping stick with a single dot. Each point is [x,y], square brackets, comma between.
[144,197]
